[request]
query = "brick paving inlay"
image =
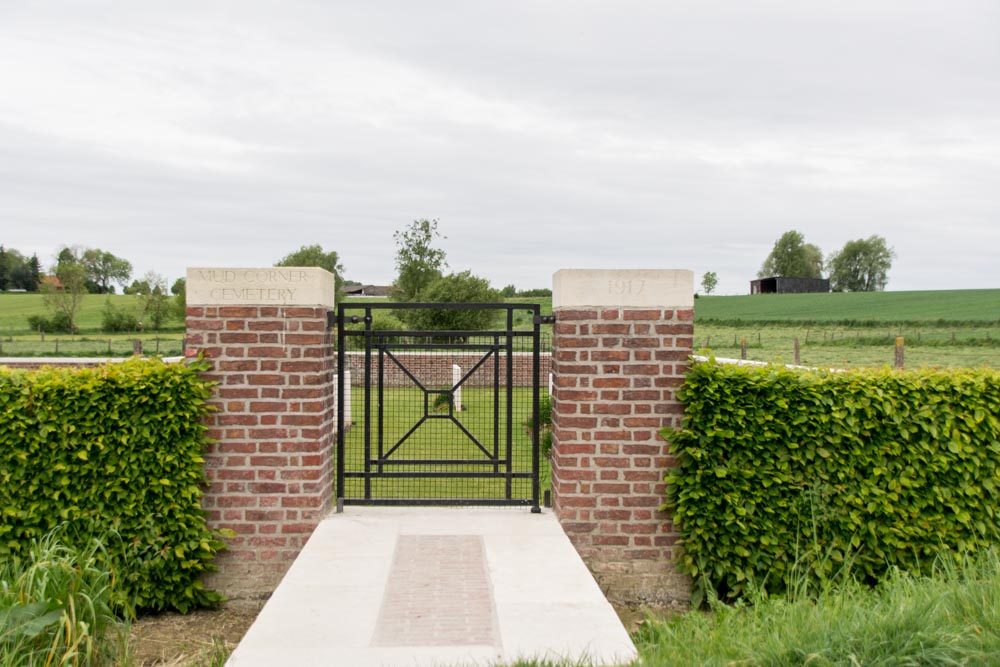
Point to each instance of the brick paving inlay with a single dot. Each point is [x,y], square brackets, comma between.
[438,594]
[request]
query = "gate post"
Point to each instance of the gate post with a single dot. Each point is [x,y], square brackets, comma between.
[270,468]
[620,350]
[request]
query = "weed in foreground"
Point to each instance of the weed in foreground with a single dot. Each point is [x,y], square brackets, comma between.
[57,607]
[951,617]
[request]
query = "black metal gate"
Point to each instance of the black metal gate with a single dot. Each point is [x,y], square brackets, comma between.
[438,416]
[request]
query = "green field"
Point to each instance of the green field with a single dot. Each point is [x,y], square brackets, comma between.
[17,340]
[957,328]
[16,308]
[964,307]
[439,438]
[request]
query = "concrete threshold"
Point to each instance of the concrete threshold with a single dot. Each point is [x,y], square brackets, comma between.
[436,587]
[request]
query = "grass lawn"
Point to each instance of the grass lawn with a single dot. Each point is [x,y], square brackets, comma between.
[440,438]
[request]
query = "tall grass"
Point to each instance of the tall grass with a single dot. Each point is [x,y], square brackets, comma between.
[58,606]
[951,617]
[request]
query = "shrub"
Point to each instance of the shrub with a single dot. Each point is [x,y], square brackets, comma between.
[58,323]
[381,321]
[454,288]
[115,449]
[118,319]
[878,468]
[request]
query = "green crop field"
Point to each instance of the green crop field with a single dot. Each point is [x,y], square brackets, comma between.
[946,306]
[947,328]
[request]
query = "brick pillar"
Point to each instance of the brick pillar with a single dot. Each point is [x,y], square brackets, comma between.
[270,469]
[620,350]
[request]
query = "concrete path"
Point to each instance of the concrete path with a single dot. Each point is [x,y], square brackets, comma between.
[443,587]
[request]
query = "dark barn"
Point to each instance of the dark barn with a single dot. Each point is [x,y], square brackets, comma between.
[781,285]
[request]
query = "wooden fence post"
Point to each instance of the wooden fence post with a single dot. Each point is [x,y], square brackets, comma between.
[743,348]
[137,346]
[900,345]
[796,348]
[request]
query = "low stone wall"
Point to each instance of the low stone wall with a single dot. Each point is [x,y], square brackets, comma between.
[34,363]
[434,369]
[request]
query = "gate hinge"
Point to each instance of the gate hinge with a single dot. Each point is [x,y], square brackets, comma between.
[544,319]
[332,319]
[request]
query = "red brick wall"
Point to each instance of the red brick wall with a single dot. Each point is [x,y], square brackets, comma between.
[617,371]
[270,470]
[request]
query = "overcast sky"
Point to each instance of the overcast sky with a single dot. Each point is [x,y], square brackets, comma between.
[541,134]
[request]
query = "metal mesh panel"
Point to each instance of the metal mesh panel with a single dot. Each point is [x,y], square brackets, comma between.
[438,417]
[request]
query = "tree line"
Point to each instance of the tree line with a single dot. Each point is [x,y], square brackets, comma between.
[18,272]
[78,271]
[862,265]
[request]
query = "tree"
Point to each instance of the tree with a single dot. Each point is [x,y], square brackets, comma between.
[32,280]
[508,292]
[65,295]
[455,288]
[709,281]
[418,262]
[154,305]
[314,255]
[103,269]
[68,255]
[179,290]
[18,272]
[5,269]
[861,265]
[792,257]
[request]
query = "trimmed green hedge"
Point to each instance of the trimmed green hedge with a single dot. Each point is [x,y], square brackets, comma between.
[784,474]
[113,453]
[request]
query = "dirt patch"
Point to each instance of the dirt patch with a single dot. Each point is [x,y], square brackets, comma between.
[185,640]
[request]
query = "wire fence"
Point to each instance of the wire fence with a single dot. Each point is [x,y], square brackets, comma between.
[93,347]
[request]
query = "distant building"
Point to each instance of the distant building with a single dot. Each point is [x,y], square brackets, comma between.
[367,290]
[782,285]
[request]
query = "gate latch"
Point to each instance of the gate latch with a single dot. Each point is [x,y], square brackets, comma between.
[544,319]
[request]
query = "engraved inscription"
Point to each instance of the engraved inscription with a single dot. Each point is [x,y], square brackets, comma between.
[254,275]
[280,286]
[623,287]
[254,285]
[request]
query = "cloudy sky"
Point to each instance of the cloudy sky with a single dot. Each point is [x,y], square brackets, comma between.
[541,134]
